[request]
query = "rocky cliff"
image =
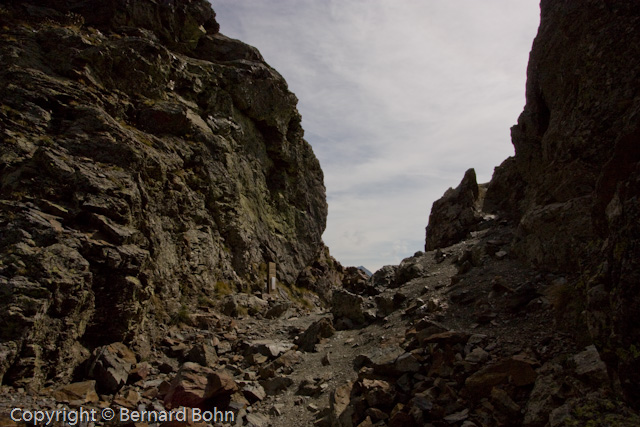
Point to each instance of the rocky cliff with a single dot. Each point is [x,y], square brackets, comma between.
[148,164]
[571,189]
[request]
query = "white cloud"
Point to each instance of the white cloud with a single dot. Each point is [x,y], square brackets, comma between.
[398,99]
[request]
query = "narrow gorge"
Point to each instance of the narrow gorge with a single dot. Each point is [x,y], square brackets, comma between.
[154,172]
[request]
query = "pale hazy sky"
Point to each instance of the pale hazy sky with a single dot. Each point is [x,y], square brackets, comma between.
[398,99]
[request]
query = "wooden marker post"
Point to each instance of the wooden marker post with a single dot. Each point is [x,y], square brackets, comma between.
[271,278]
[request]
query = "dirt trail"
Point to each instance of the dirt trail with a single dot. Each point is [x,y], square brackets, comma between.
[481,303]
[379,340]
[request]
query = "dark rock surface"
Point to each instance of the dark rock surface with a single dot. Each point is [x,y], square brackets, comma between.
[152,167]
[147,163]
[573,182]
[454,215]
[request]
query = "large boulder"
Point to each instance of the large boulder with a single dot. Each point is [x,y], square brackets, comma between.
[318,330]
[111,366]
[358,282]
[347,309]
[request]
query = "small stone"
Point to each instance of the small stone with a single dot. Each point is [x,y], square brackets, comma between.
[325,360]
[457,416]
[477,355]
[203,354]
[513,370]
[276,385]
[502,401]
[257,419]
[276,409]
[308,388]
[111,366]
[188,387]
[269,348]
[339,408]
[140,372]
[77,393]
[127,398]
[590,366]
[407,362]
[254,392]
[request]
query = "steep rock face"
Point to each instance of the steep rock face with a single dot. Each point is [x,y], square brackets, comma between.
[145,159]
[455,214]
[581,98]
[573,183]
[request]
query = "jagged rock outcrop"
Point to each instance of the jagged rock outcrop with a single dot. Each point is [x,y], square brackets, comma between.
[322,275]
[147,161]
[455,214]
[572,185]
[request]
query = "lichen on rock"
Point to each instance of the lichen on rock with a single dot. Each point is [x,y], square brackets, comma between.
[145,158]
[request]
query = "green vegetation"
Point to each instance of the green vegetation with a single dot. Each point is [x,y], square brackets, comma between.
[600,413]
[205,301]
[298,295]
[222,288]
[181,316]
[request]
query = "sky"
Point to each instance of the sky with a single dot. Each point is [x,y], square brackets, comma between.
[398,99]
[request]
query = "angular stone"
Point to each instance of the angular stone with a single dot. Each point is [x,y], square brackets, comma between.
[189,386]
[385,305]
[253,392]
[449,337]
[139,373]
[269,348]
[457,416]
[340,411]
[377,393]
[511,370]
[276,385]
[309,387]
[220,383]
[277,310]
[77,393]
[477,355]
[284,362]
[385,277]
[203,354]
[504,403]
[256,419]
[322,328]
[454,215]
[111,366]
[376,414]
[407,362]
[128,398]
[590,366]
[347,309]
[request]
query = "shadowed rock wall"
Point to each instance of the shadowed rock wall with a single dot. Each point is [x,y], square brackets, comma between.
[573,182]
[145,158]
